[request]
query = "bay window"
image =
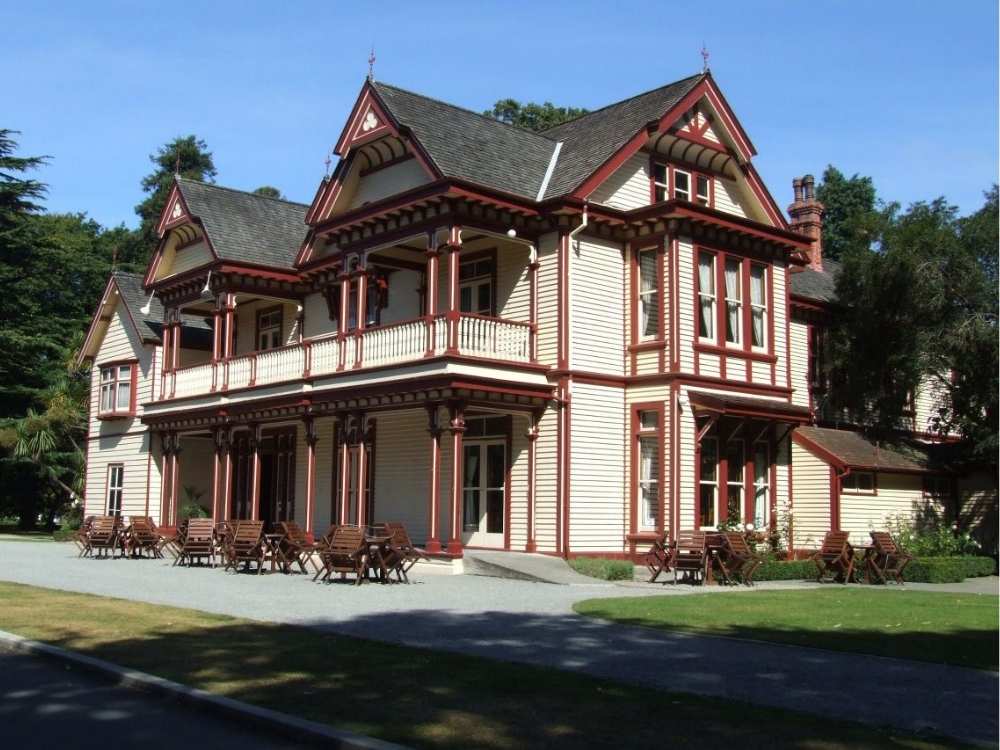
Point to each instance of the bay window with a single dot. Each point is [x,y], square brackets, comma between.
[649,449]
[706,296]
[758,306]
[708,483]
[734,301]
[649,295]
[116,390]
[761,486]
[735,468]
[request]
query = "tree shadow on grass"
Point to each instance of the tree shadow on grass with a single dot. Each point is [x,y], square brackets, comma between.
[443,699]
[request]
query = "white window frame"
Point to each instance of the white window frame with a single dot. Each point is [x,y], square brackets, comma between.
[741,485]
[109,396]
[116,489]
[657,185]
[676,191]
[707,296]
[649,516]
[762,487]
[760,309]
[706,199]
[734,302]
[642,297]
[713,483]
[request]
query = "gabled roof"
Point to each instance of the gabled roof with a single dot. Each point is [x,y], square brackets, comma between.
[470,146]
[848,449]
[591,139]
[819,286]
[245,227]
[148,326]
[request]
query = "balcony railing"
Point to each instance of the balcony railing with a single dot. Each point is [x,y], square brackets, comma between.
[408,341]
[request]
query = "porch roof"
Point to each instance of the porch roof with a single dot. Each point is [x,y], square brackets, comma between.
[748,407]
[848,449]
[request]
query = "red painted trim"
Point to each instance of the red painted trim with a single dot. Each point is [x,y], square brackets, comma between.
[635,433]
[509,460]
[819,451]
[834,500]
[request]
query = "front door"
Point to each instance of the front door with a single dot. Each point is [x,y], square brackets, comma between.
[484,493]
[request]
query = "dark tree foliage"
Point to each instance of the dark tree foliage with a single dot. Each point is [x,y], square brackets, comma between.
[18,193]
[269,192]
[850,205]
[532,116]
[187,156]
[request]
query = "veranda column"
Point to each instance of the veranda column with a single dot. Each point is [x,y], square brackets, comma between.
[165,353]
[431,293]
[175,345]
[226,436]
[342,327]
[255,438]
[310,428]
[175,482]
[456,426]
[533,303]
[361,437]
[345,468]
[217,339]
[166,448]
[229,340]
[216,474]
[361,276]
[433,544]
[532,436]
[453,249]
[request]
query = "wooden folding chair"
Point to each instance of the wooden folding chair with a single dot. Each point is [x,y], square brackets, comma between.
[82,536]
[886,559]
[835,559]
[738,562]
[294,548]
[658,558]
[199,542]
[103,536]
[143,537]
[347,553]
[403,554]
[246,546]
[689,555]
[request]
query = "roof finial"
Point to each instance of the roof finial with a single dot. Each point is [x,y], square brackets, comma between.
[371,64]
[704,58]
[327,161]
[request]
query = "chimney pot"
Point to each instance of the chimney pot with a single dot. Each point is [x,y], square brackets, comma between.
[807,217]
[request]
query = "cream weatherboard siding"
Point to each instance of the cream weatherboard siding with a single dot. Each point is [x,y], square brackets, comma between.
[402,470]
[122,441]
[548,298]
[389,181]
[798,357]
[726,198]
[778,311]
[175,261]
[930,397]
[597,481]
[810,498]
[519,483]
[628,186]
[316,317]
[545,481]
[513,290]
[898,496]
[597,312]
[685,301]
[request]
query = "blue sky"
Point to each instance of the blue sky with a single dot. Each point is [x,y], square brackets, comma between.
[903,91]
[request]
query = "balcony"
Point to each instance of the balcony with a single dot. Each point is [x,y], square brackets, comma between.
[474,336]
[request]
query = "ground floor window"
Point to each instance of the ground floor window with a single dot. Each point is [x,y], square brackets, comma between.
[650,450]
[116,486]
[708,483]
[859,482]
[735,477]
[484,472]
[761,486]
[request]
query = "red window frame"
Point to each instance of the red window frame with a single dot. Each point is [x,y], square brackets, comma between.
[115,412]
[659,408]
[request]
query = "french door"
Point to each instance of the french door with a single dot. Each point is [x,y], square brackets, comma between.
[484,493]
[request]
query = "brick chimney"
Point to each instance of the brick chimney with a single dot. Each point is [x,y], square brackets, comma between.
[807,217]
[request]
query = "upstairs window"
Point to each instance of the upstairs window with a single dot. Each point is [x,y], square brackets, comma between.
[682,185]
[661,182]
[116,390]
[649,296]
[859,483]
[269,328]
[758,306]
[706,296]
[734,301]
[703,194]
[476,280]
[649,469]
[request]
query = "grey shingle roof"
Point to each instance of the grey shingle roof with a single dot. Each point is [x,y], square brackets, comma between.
[471,146]
[247,227]
[590,140]
[855,450]
[817,285]
[196,331]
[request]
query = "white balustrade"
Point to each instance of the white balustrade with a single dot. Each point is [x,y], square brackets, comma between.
[191,381]
[493,338]
[240,369]
[324,356]
[394,343]
[277,365]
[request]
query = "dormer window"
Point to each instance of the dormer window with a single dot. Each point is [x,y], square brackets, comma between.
[703,193]
[682,185]
[670,182]
[117,394]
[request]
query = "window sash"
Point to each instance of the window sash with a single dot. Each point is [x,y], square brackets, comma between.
[116,485]
[734,301]
[706,296]
[758,306]
[859,482]
[649,480]
[649,295]
[761,486]
[708,484]
[704,191]
[682,193]
[115,395]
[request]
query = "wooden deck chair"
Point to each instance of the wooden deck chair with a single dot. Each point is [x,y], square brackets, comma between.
[835,559]
[103,536]
[294,548]
[82,536]
[246,546]
[403,553]
[658,558]
[738,562]
[347,553]
[199,542]
[689,555]
[887,559]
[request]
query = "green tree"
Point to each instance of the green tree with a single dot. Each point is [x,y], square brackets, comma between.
[851,216]
[269,192]
[187,156]
[532,116]
[18,193]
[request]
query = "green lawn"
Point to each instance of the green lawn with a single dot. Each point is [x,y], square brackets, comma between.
[956,629]
[417,697]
